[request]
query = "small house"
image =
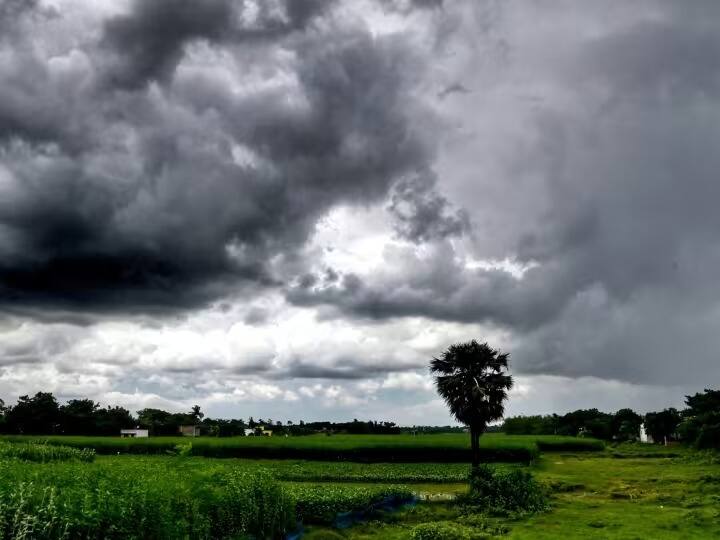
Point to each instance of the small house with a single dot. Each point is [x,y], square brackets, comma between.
[134,433]
[190,431]
[645,437]
[249,432]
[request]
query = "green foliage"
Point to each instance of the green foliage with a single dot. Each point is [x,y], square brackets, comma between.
[38,414]
[323,504]
[625,425]
[446,530]
[129,498]
[506,491]
[702,419]
[321,471]
[532,425]
[663,424]
[44,453]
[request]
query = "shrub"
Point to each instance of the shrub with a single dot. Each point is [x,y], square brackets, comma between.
[446,530]
[505,491]
[709,436]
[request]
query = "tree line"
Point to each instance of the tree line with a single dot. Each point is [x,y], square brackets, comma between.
[697,424]
[42,414]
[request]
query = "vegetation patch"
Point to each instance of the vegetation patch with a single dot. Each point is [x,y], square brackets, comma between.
[45,453]
[498,492]
[324,504]
[446,530]
[139,500]
[443,448]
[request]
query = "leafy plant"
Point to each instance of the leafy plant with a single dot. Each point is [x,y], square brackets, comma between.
[514,491]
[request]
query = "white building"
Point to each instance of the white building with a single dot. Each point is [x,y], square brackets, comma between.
[134,433]
[644,437]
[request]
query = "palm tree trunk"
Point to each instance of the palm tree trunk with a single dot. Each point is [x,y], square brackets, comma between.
[475,446]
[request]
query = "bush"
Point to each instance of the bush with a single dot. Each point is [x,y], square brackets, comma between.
[505,491]
[709,436]
[45,453]
[446,530]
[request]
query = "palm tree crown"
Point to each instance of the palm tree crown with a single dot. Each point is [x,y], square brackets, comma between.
[472,379]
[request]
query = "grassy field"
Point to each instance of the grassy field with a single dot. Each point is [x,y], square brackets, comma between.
[626,492]
[593,496]
[369,448]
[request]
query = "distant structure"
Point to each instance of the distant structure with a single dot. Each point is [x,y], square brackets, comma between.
[134,433]
[259,431]
[644,437]
[190,431]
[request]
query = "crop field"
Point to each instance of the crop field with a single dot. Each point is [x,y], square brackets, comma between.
[378,448]
[633,491]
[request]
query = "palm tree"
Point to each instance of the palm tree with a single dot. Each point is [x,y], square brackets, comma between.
[472,379]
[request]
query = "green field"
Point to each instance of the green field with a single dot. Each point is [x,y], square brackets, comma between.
[632,491]
[379,448]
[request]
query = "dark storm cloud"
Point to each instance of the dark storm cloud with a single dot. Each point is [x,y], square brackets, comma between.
[421,214]
[137,201]
[407,6]
[12,12]
[341,368]
[148,42]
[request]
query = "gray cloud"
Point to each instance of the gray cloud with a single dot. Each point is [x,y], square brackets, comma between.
[148,42]
[609,191]
[422,214]
[139,201]
[341,368]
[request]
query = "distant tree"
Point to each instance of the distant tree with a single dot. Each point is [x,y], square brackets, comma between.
[159,422]
[472,379]
[37,415]
[625,425]
[196,413]
[3,411]
[78,417]
[662,425]
[111,420]
[252,423]
[701,424]
[531,425]
[589,422]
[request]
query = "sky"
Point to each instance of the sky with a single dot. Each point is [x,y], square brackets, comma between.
[286,208]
